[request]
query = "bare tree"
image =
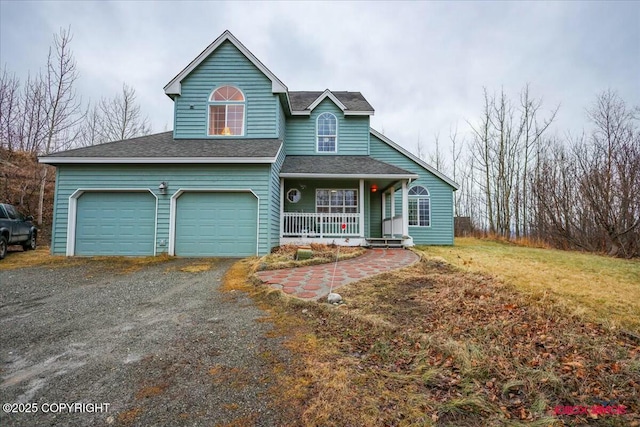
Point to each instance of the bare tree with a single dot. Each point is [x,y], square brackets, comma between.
[62,106]
[30,128]
[503,142]
[610,172]
[436,157]
[9,109]
[588,195]
[483,159]
[531,133]
[420,150]
[90,131]
[121,118]
[456,152]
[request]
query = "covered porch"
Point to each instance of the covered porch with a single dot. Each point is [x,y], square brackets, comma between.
[344,200]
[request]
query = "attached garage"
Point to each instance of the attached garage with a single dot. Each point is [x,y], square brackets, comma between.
[115,223]
[216,224]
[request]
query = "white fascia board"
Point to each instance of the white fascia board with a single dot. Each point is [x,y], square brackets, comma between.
[174,87]
[347,176]
[346,113]
[414,158]
[358,113]
[327,93]
[278,153]
[153,160]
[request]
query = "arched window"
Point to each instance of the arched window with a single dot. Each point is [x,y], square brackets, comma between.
[226,112]
[419,207]
[327,133]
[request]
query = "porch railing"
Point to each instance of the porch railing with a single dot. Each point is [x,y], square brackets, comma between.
[297,224]
[392,226]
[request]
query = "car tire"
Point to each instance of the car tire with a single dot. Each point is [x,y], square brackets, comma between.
[3,247]
[31,243]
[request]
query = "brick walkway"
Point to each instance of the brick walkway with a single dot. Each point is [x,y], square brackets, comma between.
[313,282]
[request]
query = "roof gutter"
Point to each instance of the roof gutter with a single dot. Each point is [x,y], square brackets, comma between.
[51,160]
[346,175]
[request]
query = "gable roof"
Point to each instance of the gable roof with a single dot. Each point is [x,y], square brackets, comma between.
[352,103]
[162,148]
[414,158]
[341,166]
[174,87]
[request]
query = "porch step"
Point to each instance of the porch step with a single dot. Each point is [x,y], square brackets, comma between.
[385,242]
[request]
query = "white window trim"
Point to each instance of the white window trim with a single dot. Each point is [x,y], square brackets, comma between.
[292,190]
[226,111]
[357,206]
[318,136]
[418,197]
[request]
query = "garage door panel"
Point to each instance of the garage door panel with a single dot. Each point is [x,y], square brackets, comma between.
[112,223]
[216,224]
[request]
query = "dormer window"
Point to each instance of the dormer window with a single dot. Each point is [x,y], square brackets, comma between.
[226,112]
[327,133]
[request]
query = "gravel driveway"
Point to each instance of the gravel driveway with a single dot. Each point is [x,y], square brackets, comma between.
[159,346]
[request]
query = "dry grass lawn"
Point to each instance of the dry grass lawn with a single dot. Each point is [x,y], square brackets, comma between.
[438,345]
[605,288]
[42,257]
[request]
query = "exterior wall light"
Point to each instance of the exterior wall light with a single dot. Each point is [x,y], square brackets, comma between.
[163,187]
[374,188]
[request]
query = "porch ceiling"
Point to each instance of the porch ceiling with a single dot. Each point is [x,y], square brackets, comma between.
[327,166]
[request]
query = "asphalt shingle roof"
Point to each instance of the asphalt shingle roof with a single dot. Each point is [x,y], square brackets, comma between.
[162,145]
[339,165]
[354,101]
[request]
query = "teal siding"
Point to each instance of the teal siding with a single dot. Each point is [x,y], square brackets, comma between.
[72,177]
[353,132]
[115,223]
[216,224]
[274,201]
[226,65]
[441,194]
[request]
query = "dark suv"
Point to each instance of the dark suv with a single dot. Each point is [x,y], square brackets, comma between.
[16,229]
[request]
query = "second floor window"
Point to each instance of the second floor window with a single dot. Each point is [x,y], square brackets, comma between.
[226,112]
[327,133]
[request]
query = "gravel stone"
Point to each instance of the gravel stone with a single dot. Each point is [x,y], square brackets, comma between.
[160,346]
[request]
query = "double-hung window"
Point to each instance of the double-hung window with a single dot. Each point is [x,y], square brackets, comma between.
[327,133]
[336,201]
[419,207]
[226,112]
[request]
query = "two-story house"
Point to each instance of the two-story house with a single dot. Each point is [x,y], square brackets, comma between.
[250,165]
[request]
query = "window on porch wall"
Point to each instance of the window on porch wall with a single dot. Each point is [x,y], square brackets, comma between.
[336,201]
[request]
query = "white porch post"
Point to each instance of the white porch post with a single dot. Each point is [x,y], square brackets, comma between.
[361,207]
[281,207]
[405,209]
[392,193]
[384,205]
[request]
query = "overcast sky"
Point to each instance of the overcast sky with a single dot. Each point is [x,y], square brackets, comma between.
[422,65]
